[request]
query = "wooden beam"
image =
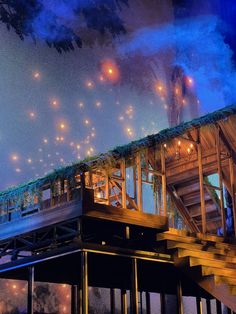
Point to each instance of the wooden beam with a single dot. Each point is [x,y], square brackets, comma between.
[124,309]
[200,172]
[163,171]
[84,281]
[139,177]
[112,301]
[226,143]
[199,305]
[74,299]
[180,307]
[107,189]
[148,303]
[232,189]
[130,200]
[218,307]
[208,306]
[163,303]
[219,168]
[30,304]
[134,287]
[123,184]
[182,209]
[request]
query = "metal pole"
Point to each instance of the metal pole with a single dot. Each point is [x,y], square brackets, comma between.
[30,304]
[163,303]
[148,303]
[199,305]
[74,299]
[180,308]
[112,301]
[134,288]
[84,282]
[123,300]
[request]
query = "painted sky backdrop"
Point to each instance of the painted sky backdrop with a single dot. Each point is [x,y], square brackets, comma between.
[58,108]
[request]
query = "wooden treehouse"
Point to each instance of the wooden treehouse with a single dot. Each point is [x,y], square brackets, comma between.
[157,215]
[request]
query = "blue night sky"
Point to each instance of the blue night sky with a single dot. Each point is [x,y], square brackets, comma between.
[58,108]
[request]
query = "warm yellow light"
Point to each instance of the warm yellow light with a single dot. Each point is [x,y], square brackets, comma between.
[36,75]
[15,157]
[179,143]
[29,160]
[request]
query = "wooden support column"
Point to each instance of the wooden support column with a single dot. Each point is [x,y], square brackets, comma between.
[134,287]
[201,183]
[139,175]
[84,283]
[74,299]
[123,185]
[123,301]
[232,187]
[107,189]
[163,172]
[148,303]
[163,303]
[208,306]
[112,301]
[30,303]
[141,301]
[219,168]
[180,308]
[199,305]
[218,307]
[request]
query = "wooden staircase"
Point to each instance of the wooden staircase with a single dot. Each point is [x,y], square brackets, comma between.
[207,260]
[189,193]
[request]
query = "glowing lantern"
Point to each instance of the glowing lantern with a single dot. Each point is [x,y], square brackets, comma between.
[110,71]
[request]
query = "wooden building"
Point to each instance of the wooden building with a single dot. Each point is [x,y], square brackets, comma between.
[150,216]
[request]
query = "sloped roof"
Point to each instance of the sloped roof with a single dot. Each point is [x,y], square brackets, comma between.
[128,149]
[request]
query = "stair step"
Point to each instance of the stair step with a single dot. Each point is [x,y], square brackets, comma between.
[232,290]
[200,247]
[206,256]
[194,261]
[227,280]
[224,272]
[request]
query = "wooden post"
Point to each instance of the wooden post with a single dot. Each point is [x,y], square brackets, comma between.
[200,170]
[112,300]
[208,306]
[199,305]
[163,171]
[84,282]
[148,303]
[107,194]
[123,300]
[139,174]
[163,303]
[134,287]
[135,183]
[218,307]
[82,185]
[30,303]
[219,168]
[123,175]
[232,187]
[141,302]
[74,299]
[180,308]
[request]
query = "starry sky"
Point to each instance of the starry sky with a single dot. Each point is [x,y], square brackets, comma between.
[59,108]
